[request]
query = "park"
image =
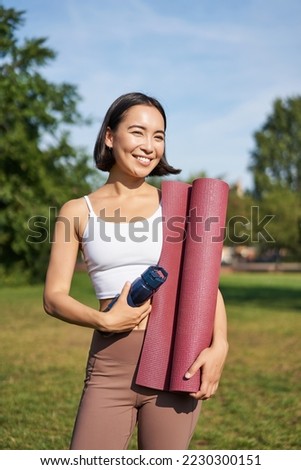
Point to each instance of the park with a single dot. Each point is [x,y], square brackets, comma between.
[257,405]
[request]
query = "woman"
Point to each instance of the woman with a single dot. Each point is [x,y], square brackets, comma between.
[130,146]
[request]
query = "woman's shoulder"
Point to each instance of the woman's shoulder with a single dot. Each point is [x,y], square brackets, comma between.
[74,207]
[74,213]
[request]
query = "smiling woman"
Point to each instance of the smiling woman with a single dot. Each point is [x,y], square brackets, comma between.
[131,147]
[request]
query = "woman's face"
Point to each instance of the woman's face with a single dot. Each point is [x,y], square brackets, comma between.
[139,140]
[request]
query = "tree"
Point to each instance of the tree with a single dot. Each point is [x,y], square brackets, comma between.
[276,167]
[39,168]
[238,220]
[276,160]
[283,208]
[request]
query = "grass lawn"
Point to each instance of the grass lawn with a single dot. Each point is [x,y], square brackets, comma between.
[257,405]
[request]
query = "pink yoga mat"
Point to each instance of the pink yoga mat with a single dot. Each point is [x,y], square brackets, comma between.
[199,279]
[181,321]
[156,356]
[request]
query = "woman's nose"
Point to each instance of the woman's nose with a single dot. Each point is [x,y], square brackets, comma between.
[147,144]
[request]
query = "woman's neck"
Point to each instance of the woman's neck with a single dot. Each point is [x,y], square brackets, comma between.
[125,184]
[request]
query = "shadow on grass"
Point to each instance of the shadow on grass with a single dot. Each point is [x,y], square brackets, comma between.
[259,292]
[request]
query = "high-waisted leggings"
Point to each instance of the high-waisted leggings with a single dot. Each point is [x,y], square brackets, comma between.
[112,404]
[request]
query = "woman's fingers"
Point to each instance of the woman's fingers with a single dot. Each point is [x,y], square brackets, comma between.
[125,290]
[122,317]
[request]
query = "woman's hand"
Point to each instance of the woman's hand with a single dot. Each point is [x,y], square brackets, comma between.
[211,362]
[122,317]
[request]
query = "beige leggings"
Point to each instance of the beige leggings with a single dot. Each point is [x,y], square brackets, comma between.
[112,404]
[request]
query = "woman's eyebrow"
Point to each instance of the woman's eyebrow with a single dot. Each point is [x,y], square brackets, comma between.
[144,128]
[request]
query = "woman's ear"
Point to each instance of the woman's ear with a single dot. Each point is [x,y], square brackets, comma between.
[109,137]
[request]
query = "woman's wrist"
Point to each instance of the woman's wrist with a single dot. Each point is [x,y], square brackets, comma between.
[102,323]
[221,342]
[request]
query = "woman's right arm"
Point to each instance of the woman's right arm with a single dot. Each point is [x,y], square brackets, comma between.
[57,300]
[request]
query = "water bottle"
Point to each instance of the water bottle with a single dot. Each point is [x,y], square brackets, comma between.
[143,287]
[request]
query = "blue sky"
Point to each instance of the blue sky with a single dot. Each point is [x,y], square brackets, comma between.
[216,66]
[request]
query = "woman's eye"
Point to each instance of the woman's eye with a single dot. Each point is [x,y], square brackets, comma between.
[159,138]
[137,133]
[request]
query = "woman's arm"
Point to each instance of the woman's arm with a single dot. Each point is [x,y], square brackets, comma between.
[58,302]
[211,360]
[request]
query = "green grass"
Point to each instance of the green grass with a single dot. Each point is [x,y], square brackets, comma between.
[257,405]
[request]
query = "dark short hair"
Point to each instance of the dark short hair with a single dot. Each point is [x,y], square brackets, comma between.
[103,156]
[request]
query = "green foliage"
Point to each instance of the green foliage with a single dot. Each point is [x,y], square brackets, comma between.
[276,160]
[285,226]
[39,168]
[238,218]
[276,168]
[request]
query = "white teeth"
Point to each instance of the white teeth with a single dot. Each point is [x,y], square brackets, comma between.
[143,159]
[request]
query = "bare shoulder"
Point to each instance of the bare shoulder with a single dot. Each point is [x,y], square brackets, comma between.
[74,207]
[74,213]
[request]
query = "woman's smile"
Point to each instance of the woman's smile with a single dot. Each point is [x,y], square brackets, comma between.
[146,161]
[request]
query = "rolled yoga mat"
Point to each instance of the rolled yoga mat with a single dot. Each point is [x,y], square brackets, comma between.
[156,356]
[199,279]
[196,292]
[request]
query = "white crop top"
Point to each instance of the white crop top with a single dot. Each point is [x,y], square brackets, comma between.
[118,252]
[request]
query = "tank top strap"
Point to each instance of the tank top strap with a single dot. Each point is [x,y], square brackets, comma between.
[88,202]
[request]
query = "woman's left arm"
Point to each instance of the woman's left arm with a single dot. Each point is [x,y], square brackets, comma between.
[212,359]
